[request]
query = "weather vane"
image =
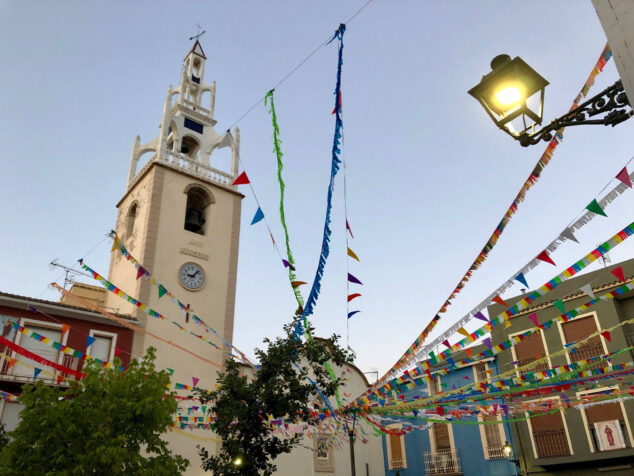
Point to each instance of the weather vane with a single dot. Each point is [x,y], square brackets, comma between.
[199,34]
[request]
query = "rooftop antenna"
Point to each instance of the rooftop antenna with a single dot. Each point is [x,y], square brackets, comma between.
[605,257]
[69,272]
[199,34]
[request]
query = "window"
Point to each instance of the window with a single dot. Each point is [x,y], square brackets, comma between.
[442,458]
[10,414]
[189,146]
[323,459]
[480,373]
[433,386]
[103,346]
[578,329]
[37,347]
[607,428]
[396,458]
[492,436]
[130,219]
[198,201]
[549,435]
[530,349]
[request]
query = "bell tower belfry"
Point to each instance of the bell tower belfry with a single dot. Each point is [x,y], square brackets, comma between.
[180,217]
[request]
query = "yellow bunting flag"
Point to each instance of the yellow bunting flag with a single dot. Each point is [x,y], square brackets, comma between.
[115,244]
[464,332]
[352,254]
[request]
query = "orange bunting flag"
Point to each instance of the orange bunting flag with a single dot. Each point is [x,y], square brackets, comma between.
[353,255]
[65,329]
[242,179]
[464,332]
[352,296]
[297,283]
[618,272]
[11,363]
[469,353]
[500,301]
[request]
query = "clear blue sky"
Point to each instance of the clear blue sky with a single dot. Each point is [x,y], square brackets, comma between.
[429,175]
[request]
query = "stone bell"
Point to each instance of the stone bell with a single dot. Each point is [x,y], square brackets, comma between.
[194,220]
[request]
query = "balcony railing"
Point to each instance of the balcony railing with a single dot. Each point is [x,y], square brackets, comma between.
[442,462]
[536,368]
[495,452]
[587,351]
[397,463]
[551,443]
[197,168]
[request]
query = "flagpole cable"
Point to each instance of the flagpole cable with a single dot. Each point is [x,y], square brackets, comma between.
[298,66]
[345,212]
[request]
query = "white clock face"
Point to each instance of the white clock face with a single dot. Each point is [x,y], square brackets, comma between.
[192,276]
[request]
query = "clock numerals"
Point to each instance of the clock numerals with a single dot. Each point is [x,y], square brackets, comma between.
[192,276]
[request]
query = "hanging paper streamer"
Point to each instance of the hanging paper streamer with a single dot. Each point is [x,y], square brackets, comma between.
[290,262]
[490,244]
[325,245]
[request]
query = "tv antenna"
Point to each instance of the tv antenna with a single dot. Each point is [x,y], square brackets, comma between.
[69,272]
[605,257]
[199,34]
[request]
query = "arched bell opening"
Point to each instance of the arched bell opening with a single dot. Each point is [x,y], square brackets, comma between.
[196,210]
[130,219]
[190,147]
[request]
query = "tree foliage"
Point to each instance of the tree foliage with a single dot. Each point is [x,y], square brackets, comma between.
[110,422]
[281,387]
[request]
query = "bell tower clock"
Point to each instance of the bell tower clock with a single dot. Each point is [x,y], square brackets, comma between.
[180,217]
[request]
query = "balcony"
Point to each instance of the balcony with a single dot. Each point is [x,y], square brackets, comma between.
[10,374]
[495,452]
[587,351]
[397,463]
[551,443]
[442,462]
[535,368]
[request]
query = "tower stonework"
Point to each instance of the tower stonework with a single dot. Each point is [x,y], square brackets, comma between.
[180,217]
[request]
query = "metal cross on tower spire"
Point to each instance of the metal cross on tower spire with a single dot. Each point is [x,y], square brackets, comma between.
[199,34]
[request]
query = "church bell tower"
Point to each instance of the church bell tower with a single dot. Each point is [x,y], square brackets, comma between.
[180,217]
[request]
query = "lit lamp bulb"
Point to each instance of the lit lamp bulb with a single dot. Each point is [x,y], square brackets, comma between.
[507,449]
[509,95]
[237,461]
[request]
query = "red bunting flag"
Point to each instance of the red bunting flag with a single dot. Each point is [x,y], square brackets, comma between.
[618,272]
[242,179]
[624,177]
[59,379]
[297,283]
[352,296]
[543,256]
[606,334]
[446,342]
[348,228]
[65,329]
[533,318]
[499,300]
[141,272]
[117,352]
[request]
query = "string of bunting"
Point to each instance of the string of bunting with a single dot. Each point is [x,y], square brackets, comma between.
[624,183]
[142,272]
[503,317]
[512,209]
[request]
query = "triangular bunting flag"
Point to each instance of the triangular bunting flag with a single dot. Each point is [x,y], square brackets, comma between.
[11,363]
[569,235]
[479,315]
[118,352]
[594,207]
[520,277]
[297,283]
[65,329]
[115,244]
[469,353]
[286,263]
[241,180]
[161,291]
[352,313]
[487,342]
[36,372]
[464,332]
[352,279]
[446,342]
[352,296]
[499,300]
[195,381]
[559,304]
[618,272]
[624,177]
[587,289]
[89,341]
[606,334]
[140,272]
[259,215]
[171,371]
[353,255]
[348,228]
[59,379]
[533,318]
[543,256]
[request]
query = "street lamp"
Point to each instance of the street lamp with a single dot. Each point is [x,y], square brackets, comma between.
[505,94]
[507,449]
[237,461]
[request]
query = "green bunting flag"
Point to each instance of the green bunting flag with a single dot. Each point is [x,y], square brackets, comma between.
[594,207]
[161,291]
[559,304]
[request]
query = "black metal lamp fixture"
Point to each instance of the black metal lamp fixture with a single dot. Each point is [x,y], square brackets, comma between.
[505,91]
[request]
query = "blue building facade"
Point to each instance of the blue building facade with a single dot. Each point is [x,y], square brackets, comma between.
[458,448]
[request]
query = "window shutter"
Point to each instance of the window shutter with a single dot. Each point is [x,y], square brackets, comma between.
[395,446]
[604,412]
[578,329]
[441,436]
[551,421]
[492,433]
[530,347]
